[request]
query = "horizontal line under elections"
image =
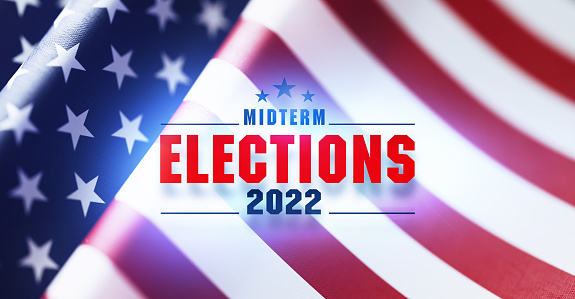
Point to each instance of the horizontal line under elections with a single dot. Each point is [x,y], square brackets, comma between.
[200,213]
[335,213]
[372,124]
[372,213]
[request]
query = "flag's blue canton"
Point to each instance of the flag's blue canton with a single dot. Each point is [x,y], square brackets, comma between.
[22,25]
[80,113]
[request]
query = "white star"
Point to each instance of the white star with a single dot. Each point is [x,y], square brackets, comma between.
[85,193]
[162,9]
[62,3]
[65,13]
[212,16]
[130,131]
[111,6]
[18,73]
[172,72]
[27,48]
[66,60]
[21,5]
[75,126]
[28,190]
[18,120]
[38,259]
[120,66]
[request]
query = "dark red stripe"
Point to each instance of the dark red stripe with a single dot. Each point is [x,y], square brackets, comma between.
[479,255]
[327,265]
[497,266]
[394,48]
[520,46]
[305,245]
[147,257]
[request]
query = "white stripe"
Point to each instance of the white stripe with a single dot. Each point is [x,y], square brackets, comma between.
[508,206]
[382,246]
[509,92]
[448,165]
[552,21]
[223,247]
[90,274]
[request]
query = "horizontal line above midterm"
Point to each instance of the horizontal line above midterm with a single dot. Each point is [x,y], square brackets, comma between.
[372,124]
[331,124]
[200,124]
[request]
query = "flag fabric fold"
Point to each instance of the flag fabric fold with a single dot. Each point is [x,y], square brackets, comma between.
[80,112]
[489,97]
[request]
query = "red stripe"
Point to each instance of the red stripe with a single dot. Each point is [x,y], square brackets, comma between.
[305,245]
[479,255]
[147,257]
[498,266]
[540,165]
[319,258]
[518,45]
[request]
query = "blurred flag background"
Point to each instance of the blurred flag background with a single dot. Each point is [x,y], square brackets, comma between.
[487,83]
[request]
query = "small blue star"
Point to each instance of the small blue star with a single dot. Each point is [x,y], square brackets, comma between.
[284,88]
[262,96]
[307,96]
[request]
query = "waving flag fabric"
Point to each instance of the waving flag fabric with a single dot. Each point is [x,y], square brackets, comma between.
[488,86]
[23,24]
[78,115]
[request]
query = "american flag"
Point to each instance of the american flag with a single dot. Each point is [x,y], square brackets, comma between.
[81,111]
[488,84]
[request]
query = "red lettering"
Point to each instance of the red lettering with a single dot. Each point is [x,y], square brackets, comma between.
[167,157]
[396,157]
[371,158]
[305,159]
[193,157]
[282,142]
[245,159]
[325,157]
[361,156]
[221,157]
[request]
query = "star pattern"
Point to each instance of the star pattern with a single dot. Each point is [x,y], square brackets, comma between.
[173,72]
[112,6]
[38,168]
[120,66]
[22,4]
[212,16]
[38,259]
[28,190]
[307,96]
[130,131]
[162,9]
[284,88]
[85,193]
[18,121]
[262,96]
[75,126]
[27,49]
[66,60]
